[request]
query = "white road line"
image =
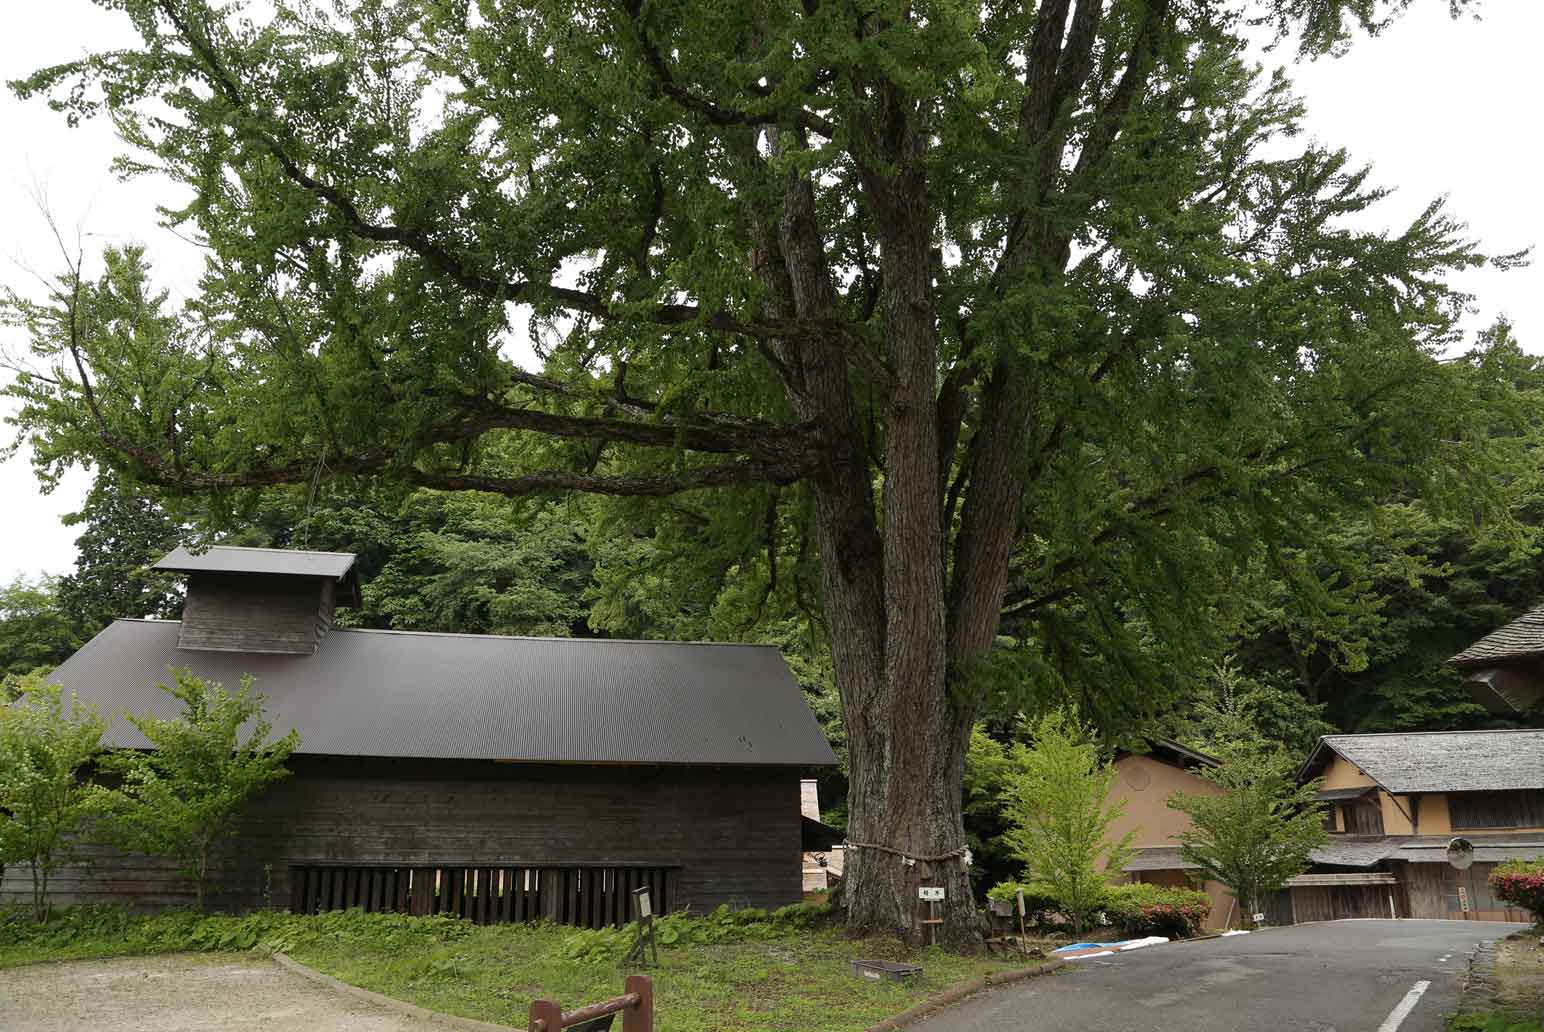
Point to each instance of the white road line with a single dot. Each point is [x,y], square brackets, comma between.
[1402,1011]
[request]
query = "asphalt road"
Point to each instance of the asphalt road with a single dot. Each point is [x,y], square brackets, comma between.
[1336,976]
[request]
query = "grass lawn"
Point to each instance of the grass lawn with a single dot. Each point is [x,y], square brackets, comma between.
[722,973]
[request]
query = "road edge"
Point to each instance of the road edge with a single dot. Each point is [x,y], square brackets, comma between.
[412,1010]
[933,1004]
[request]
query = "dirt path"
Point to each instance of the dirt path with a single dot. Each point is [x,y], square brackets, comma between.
[182,993]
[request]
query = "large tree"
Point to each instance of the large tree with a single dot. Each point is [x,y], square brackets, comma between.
[1016,307]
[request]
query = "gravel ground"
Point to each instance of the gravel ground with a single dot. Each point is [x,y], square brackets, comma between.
[182,993]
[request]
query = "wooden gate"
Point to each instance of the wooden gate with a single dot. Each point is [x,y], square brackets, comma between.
[587,897]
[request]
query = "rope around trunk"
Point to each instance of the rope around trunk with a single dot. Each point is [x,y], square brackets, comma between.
[952,854]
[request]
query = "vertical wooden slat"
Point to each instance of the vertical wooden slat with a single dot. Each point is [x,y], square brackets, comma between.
[350,887]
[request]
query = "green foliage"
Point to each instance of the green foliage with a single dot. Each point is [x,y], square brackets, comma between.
[1361,626]
[1237,359]
[110,930]
[988,773]
[1059,814]
[35,634]
[1227,710]
[1491,1023]
[1140,909]
[1258,832]
[1521,883]
[184,796]
[1040,902]
[748,924]
[45,801]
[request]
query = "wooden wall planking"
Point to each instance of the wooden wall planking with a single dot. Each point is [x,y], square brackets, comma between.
[731,834]
[254,613]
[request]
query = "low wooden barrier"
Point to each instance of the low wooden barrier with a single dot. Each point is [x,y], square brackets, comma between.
[636,1006]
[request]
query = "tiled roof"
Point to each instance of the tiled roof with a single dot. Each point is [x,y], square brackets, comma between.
[1355,852]
[1441,761]
[1523,637]
[1158,858]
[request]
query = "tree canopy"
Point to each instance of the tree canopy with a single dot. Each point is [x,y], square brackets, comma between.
[1029,318]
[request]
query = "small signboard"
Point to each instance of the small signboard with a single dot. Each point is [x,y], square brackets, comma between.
[1021,902]
[1259,918]
[644,913]
[1463,899]
[931,893]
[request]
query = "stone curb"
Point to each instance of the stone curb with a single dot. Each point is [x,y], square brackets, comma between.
[407,1009]
[933,1004]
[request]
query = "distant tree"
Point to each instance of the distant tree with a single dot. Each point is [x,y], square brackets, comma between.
[45,748]
[125,530]
[35,633]
[1059,815]
[184,797]
[1362,625]
[1227,707]
[1259,832]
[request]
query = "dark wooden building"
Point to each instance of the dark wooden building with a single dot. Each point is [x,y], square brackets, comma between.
[500,778]
[1504,670]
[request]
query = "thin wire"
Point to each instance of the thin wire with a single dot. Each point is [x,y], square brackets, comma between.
[316,479]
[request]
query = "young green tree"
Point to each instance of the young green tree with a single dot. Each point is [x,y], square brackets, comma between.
[184,796]
[1259,831]
[1031,307]
[46,749]
[1060,815]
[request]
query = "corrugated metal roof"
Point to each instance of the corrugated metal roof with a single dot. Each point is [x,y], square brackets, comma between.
[1520,639]
[486,697]
[1443,761]
[282,561]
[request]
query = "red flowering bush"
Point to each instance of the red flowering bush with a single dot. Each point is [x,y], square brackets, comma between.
[1139,909]
[1521,883]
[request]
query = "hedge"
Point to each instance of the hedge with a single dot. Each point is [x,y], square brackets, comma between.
[1141,909]
[1521,883]
[1137,909]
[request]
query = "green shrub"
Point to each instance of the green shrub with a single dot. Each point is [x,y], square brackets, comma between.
[1521,883]
[1040,905]
[1140,909]
[1491,1023]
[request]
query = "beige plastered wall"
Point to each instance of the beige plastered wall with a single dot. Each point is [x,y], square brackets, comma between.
[1146,784]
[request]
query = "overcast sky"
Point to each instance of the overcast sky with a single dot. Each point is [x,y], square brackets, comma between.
[1437,107]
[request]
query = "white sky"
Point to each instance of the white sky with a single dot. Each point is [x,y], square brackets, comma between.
[1437,107]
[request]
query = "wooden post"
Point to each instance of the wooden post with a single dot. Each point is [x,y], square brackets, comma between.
[640,1018]
[546,1016]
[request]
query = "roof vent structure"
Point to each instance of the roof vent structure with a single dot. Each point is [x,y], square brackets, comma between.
[267,600]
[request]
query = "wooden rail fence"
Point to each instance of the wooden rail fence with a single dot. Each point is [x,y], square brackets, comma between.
[586,897]
[636,1006]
